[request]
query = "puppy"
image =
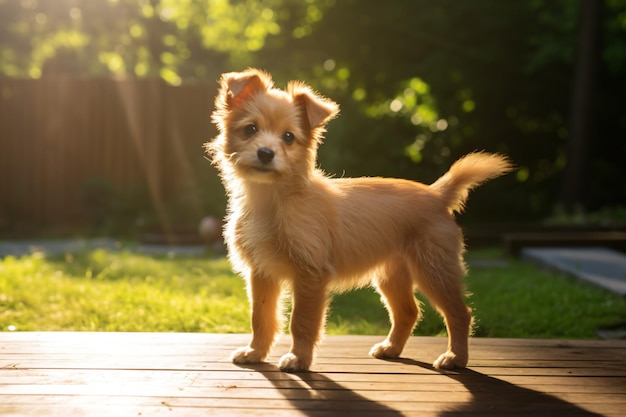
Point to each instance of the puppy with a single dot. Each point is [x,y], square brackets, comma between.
[289,225]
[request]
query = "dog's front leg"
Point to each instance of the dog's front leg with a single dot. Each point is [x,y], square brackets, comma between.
[310,300]
[264,295]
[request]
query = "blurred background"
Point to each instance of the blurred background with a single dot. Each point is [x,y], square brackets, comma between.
[105,104]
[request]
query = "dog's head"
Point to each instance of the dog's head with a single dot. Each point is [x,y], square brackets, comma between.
[266,134]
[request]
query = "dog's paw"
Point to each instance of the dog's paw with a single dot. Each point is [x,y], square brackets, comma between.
[293,363]
[385,350]
[450,360]
[247,355]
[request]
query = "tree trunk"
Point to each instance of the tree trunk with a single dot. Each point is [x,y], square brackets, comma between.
[581,113]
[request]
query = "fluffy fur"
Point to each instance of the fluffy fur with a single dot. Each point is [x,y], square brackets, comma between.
[289,225]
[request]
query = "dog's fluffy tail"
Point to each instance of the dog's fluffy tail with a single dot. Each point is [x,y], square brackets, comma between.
[467,173]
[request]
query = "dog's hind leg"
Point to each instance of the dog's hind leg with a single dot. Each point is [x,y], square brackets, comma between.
[439,276]
[458,320]
[396,287]
[264,294]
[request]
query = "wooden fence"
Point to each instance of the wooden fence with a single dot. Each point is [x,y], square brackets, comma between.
[59,133]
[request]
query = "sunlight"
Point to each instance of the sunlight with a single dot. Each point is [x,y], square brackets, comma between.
[395,105]
[329,65]
[113,61]
[468,105]
[75,13]
[130,99]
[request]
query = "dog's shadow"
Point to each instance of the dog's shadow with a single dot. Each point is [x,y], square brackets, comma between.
[312,392]
[492,396]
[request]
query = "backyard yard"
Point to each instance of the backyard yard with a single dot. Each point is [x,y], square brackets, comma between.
[106,108]
[110,290]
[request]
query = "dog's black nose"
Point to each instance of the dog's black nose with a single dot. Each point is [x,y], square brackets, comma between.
[265,155]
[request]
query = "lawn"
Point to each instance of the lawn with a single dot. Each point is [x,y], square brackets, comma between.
[123,291]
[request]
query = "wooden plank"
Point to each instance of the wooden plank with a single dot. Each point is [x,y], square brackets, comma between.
[102,405]
[492,350]
[181,374]
[408,382]
[254,381]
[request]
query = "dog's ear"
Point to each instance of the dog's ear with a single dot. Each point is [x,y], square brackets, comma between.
[236,87]
[317,109]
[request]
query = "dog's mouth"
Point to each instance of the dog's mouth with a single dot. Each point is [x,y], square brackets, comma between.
[263,168]
[257,171]
[261,174]
[255,166]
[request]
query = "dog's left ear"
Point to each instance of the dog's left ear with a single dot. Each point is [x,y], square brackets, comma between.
[318,110]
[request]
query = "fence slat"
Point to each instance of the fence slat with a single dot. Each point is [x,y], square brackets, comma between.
[58,134]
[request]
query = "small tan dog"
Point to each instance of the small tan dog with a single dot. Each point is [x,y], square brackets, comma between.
[289,225]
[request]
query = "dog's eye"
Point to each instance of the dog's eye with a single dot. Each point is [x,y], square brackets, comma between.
[289,138]
[250,130]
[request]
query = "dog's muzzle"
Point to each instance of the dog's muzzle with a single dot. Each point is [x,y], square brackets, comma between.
[265,155]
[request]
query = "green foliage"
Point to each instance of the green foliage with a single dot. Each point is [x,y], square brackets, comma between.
[123,291]
[499,77]
[441,80]
[112,211]
[172,39]
[419,82]
[108,210]
[606,218]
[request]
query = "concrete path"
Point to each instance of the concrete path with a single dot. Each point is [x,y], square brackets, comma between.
[62,246]
[601,266]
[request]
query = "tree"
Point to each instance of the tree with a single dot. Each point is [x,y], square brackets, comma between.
[584,91]
[173,39]
[430,81]
[419,82]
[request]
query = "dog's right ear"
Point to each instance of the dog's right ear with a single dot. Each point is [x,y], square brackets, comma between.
[236,87]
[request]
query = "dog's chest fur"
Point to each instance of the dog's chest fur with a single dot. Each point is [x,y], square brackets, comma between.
[271,238]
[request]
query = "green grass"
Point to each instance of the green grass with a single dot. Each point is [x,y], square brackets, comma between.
[109,291]
[123,291]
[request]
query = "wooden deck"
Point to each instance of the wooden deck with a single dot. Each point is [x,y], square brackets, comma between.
[145,374]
